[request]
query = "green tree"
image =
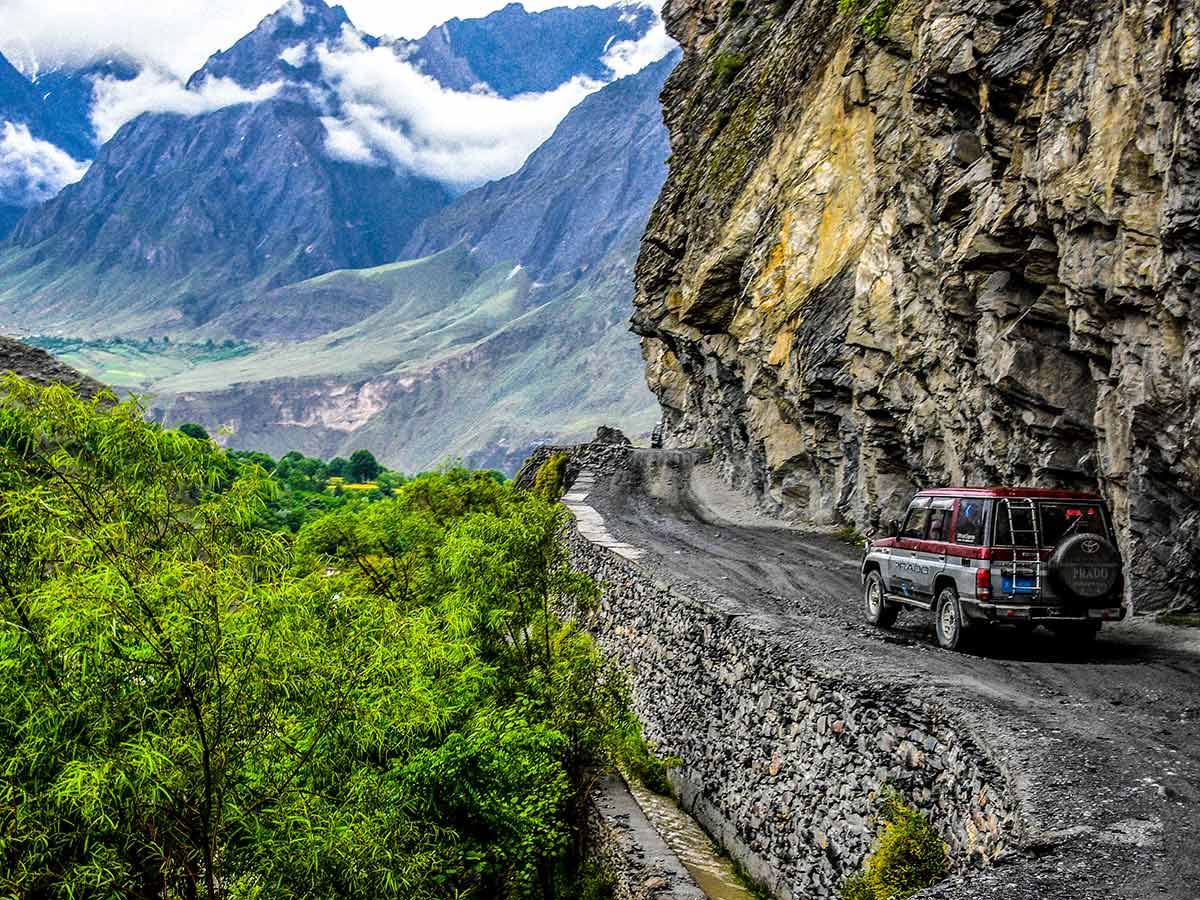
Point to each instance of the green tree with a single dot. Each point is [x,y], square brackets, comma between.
[338,466]
[363,467]
[193,705]
[192,430]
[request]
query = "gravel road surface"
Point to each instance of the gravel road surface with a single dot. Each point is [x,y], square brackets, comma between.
[1103,743]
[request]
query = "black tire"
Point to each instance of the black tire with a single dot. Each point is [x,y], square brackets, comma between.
[948,620]
[878,611]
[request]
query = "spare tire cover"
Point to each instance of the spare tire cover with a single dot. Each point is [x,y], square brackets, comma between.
[1085,566]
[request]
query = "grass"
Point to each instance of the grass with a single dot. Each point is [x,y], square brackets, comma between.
[850,535]
[138,364]
[875,22]
[727,65]
[638,759]
[752,887]
[1180,619]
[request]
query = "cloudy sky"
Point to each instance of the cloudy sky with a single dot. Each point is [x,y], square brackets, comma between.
[389,113]
[178,35]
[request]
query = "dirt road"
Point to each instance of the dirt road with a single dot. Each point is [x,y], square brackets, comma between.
[1103,744]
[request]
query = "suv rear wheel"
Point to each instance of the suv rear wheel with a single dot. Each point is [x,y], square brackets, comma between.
[948,619]
[879,611]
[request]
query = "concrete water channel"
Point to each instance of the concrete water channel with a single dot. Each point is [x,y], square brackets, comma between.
[712,871]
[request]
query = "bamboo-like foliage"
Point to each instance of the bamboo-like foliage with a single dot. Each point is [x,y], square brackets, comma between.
[193,706]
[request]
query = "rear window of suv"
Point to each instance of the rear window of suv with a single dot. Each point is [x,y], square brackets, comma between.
[1062,519]
[1056,520]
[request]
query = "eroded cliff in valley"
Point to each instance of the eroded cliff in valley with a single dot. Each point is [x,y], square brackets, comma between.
[936,241]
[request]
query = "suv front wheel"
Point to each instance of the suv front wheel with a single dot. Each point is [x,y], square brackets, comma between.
[879,611]
[948,619]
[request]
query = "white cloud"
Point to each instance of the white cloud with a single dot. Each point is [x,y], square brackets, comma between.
[460,138]
[629,57]
[32,170]
[294,10]
[177,36]
[116,101]
[343,142]
[389,114]
[295,56]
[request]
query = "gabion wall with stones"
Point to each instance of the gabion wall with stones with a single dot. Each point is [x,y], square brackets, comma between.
[599,458]
[783,764]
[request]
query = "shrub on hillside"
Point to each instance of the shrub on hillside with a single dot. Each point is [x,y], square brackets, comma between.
[908,857]
[548,483]
[193,430]
[638,759]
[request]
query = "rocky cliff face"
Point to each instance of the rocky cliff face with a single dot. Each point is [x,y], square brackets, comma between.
[966,249]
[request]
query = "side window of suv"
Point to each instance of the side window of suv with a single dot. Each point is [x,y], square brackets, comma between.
[940,511]
[971,521]
[917,520]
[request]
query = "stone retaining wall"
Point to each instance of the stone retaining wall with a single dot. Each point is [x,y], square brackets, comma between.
[783,762]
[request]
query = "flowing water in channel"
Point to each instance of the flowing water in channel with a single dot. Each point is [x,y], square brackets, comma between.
[713,873]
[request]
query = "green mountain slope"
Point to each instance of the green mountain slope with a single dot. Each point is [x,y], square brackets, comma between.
[483,376]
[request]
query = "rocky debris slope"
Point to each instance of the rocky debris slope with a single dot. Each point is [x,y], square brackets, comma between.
[40,367]
[965,250]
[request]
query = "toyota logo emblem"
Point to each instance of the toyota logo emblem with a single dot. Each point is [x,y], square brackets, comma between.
[1090,546]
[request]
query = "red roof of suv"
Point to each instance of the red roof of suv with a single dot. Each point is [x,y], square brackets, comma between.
[1033,493]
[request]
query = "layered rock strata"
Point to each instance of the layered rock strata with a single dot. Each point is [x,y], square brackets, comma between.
[964,250]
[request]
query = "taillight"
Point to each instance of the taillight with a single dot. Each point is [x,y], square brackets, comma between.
[983,584]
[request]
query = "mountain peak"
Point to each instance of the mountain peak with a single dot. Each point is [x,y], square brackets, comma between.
[553,45]
[306,18]
[255,59]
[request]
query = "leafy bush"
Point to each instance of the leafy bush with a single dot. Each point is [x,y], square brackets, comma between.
[383,706]
[638,759]
[192,430]
[548,483]
[875,22]
[908,857]
[592,883]
[727,65]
